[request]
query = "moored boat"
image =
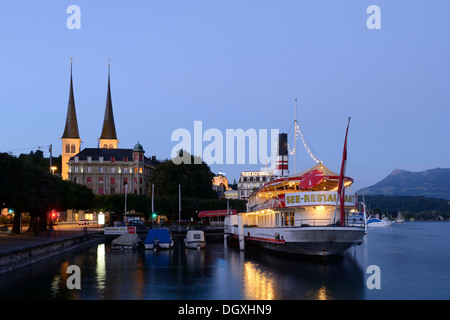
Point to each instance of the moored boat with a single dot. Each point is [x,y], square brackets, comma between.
[126,241]
[195,239]
[159,238]
[375,222]
[308,213]
[296,215]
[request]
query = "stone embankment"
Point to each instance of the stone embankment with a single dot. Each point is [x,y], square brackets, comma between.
[21,251]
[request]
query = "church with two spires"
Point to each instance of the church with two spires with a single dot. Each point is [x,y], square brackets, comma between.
[106,169]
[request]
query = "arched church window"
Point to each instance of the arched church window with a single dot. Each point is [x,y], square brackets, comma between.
[105,146]
[110,146]
[72,148]
[67,148]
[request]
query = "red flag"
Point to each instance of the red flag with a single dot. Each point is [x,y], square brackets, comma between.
[341,189]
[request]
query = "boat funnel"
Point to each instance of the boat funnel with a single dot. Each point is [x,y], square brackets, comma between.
[282,157]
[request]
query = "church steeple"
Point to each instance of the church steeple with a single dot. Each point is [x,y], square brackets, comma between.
[71,129]
[71,142]
[108,138]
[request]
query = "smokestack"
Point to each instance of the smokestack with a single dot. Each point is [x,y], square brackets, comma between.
[282,158]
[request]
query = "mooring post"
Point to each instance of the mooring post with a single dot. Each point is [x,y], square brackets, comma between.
[241,233]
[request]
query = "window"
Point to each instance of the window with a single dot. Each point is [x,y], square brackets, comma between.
[67,148]
[125,170]
[113,190]
[136,157]
[140,170]
[113,170]
[89,169]
[113,159]
[76,169]
[125,180]
[135,180]
[76,159]
[100,159]
[75,179]
[100,179]
[110,146]
[135,170]
[89,179]
[100,169]
[140,180]
[89,159]
[125,159]
[72,148]
[141,157]
[113,180]
[100,190]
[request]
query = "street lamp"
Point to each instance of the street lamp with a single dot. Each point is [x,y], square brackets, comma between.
[53,169]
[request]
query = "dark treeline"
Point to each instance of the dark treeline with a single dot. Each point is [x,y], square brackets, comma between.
[25,186]
[418,207]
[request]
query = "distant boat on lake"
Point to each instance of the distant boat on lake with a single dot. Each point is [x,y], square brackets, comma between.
[375,222]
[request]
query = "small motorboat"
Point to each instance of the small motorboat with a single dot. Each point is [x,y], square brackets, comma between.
[126,241]
[158,239]
[195,239]
[374,222]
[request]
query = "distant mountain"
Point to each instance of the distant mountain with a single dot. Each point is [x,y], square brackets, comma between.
[433,183]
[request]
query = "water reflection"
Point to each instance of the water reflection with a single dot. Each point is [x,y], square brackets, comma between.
[101,268]
[213,273]
[412,266]
[269,276]
[258,285]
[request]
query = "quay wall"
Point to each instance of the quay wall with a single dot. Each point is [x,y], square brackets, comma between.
[29,255]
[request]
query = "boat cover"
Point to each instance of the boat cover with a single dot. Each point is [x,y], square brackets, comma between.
[162,235]
[126,239]
[311,179]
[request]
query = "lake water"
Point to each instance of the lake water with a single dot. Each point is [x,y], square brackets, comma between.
[413,260]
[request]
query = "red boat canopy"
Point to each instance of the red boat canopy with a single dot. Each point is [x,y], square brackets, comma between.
[215,213]
[311,179]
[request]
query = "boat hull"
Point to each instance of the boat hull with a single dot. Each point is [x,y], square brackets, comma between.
[309,241]
[124,247]
[151,246]
[379,224]
[195,244]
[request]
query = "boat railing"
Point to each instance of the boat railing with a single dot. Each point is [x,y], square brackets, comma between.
[350,222]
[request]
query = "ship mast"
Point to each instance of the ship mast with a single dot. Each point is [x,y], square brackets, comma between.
[295,138]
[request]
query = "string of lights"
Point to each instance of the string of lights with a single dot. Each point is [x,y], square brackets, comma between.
[310,152]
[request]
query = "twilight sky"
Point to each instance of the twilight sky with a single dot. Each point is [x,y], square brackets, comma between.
[235,64]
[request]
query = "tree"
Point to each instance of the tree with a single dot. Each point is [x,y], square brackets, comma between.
[195,179]
[27,187]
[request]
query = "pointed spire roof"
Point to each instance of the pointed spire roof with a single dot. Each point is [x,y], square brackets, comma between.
[71,129]
[109,128]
